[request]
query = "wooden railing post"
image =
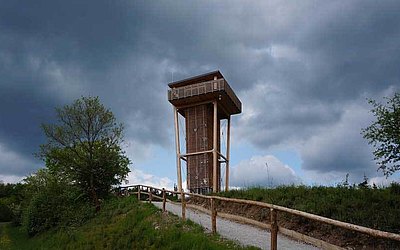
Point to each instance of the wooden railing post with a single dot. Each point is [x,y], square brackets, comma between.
[164,199]
[138,193]
[274,230]
[213,216]
[183,202]
[151,195]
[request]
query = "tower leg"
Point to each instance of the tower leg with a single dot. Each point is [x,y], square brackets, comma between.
[178,150]
[228,139]
[215,145]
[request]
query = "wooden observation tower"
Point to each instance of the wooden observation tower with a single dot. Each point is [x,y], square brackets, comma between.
[203,101]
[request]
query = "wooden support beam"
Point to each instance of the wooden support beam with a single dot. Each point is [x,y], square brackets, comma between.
[138,193]
[215,145]
[228,140]
[222,156]
[196,153]
[178,150]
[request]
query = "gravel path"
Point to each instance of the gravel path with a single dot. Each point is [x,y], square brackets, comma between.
[244,234]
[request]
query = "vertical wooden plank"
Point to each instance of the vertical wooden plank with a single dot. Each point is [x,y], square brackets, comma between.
[183,203]
[228,140]
[274,230]
[138,193]
[215,145]
[164,199]
[213,216]
[178,149]
[151,195]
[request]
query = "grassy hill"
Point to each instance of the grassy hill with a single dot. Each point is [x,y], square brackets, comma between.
[377,208]
[121,224]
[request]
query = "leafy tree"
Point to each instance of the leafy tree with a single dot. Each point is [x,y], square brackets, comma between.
[384,134]
[84,147]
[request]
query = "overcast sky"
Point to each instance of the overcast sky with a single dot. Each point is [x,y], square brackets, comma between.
[302,69]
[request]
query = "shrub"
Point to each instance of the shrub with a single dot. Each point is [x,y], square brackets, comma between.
[55,205]
[5,213]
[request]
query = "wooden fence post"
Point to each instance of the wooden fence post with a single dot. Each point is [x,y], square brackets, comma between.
[213,216]
[164,199]
[183,202]
[138,193]
[274,230]
[151,195]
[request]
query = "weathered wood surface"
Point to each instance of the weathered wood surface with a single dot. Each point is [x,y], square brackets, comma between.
[274,230]
[213,216]
[164,198]
[183,202]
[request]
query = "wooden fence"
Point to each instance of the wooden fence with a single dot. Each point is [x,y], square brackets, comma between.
[163,194]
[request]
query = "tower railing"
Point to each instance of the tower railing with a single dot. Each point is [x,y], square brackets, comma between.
[204,88]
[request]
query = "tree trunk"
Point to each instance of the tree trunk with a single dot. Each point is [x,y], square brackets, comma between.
[94,194]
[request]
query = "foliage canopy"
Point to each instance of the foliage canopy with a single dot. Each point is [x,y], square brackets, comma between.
[384,134]
[84,147]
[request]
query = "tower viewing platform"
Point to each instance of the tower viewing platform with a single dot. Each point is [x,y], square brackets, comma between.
[203,88]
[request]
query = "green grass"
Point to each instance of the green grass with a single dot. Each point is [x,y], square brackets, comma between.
[376,208]
[121,224]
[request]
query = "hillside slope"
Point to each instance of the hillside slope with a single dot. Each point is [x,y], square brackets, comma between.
[121,224]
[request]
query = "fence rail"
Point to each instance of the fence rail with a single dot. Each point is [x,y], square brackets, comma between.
[153,192]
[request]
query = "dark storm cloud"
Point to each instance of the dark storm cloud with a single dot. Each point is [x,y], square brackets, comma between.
[50,53]
[297,68]
[91,32]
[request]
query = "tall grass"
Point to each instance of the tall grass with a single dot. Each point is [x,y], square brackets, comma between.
[371,207]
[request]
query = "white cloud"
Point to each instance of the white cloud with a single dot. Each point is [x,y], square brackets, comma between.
[281,51]
[382,181]
[137,176]
[11,178]
[255,172]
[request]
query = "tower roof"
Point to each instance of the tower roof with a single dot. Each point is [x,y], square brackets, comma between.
[195,79]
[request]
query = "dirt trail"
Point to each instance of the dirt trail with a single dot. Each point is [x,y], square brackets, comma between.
[244,234]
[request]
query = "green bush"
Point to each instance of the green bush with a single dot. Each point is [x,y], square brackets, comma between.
[5,213]
[53,206]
